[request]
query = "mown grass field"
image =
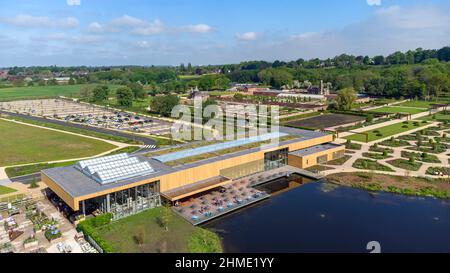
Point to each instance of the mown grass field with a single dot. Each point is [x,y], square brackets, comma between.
[385,132]
[397,109]
[35,168]
[181,237]
[33,92]
[22,144]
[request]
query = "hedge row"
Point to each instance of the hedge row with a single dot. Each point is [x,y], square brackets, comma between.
[88,227]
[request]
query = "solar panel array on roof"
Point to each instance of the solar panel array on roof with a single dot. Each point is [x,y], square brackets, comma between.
[91,169]
[112,175]
[82,164]
[114,168]
[217,147]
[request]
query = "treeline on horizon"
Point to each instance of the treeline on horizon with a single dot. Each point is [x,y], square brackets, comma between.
[415,74]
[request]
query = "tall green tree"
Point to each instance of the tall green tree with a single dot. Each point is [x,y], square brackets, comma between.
[163,105]
[346,98]
[138,90]
[100,93]
[124,96]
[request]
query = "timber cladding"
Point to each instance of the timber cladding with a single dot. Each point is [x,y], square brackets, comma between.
[303,162]
[187,176]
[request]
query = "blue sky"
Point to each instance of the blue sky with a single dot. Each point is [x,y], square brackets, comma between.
[170,32]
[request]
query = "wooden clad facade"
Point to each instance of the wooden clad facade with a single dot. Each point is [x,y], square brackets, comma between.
[187,176]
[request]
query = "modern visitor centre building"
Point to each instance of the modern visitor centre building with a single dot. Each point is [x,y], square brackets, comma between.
[126,184]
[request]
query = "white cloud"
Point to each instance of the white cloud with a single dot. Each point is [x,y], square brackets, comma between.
[69,22]
[128,21]
[73,2]
[152,28]
[386,31]
[199,28]
[248,36]
[143,44]
[24,20]
[95,27]
[374,2]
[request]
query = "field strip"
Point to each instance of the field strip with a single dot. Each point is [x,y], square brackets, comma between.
[118,144]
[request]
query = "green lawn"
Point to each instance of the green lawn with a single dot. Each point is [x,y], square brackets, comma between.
[16,93]
[142,233]
[421,103]
[441,116]
[386,131]
[76,130]
[397,109]
[6,190]
[22,144]
[35,168]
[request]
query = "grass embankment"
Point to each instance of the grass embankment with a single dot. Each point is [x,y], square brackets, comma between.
[76,130]
[414,186]
[35,168]
[22,144]
[386,131]
[5,190]
[40,92]
[144,233]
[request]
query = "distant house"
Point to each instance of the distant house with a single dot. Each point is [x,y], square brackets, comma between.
[195,93]
[318,90]
[3,74]
[62,80]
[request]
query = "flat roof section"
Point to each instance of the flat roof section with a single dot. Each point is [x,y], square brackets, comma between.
[191,189]
[77,184]
[217,147]
[314,149]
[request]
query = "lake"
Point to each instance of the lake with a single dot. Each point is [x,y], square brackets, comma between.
[320,217]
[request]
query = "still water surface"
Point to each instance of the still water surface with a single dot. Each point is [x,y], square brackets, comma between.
[320,217]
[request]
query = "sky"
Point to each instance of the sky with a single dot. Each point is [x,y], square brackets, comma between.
[202,32]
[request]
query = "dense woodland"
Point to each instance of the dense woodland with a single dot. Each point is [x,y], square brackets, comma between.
[415,74]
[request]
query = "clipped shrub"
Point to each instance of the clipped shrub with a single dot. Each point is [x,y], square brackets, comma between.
[89,226]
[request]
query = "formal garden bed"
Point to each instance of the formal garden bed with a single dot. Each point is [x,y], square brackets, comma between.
[377,149]
[377,156]
[340,161]
[410,165]
[436,149]
[394,143]
[352,146]
[438,171]
[366,164]
[413,137]
[423,157]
